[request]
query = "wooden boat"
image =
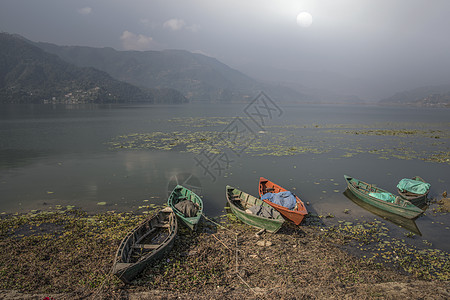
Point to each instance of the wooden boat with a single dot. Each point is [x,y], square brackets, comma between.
[416,199]
[180,194]
[395,205]
[295,215]
[400,221]
[148,242]
[240,203]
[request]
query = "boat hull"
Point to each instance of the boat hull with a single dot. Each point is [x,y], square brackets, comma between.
[401,207]
[180,193]
[408,224]
[295,215]
[136,252]
[419,200]
[239,201]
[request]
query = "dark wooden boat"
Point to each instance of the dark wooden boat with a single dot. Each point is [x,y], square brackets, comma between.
[416,199]
[148,242]
[180,194]
[395,205]
[295,215]
[240,202]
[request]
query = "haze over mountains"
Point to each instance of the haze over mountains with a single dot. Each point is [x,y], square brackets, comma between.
[198,77]
[30,75]
[37,72]
[438,95]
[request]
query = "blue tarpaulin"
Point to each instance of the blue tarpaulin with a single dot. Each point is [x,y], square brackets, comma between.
[413,186]
[286,199]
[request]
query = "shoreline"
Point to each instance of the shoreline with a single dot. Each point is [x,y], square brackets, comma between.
[68,255]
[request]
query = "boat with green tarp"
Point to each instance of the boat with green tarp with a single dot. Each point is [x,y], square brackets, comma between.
[187,205]
[382,199]
[415,190]
[252,211]
[403,222]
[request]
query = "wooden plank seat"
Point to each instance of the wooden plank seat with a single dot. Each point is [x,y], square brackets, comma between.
[145,246]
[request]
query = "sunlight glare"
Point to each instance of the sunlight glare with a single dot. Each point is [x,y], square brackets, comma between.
[304,19]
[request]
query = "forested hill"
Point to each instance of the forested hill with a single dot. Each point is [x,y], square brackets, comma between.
[438,96]
[28,74]
[198,77]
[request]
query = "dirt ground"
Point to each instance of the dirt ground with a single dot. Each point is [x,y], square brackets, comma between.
[225,261]
[444,204]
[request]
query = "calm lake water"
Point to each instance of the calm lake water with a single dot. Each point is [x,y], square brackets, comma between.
[130,156]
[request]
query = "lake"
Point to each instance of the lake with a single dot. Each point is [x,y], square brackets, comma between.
[127,157]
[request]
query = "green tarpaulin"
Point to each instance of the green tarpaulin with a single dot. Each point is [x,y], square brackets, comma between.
[388,197]
[413,186]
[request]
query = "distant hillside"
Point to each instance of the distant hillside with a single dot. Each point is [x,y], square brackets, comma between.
[424,96]
[321,86]
[198,77]
[30,75]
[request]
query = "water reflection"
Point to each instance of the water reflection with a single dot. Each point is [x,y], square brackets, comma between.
[395,219]
[14,158]
[62,156]
[188,180]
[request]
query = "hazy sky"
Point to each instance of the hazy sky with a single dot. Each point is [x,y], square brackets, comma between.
[381,38]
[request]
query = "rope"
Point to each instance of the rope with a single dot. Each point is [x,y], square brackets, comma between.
[222,243]
[212,221]
[237,264]
[109,276]
[100,289]
[247,284]
[236,235]
[237,268]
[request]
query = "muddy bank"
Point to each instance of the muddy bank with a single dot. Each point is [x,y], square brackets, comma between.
[68,255]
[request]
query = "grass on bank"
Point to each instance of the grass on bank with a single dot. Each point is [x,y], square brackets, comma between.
[72,252]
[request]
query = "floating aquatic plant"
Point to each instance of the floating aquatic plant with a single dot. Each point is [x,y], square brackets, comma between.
[391,140]
[373,239]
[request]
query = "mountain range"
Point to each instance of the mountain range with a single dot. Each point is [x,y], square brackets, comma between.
[28,74]
[198,77]
[438,95]
[33,72]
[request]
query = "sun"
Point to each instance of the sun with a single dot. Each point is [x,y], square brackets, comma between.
[304,19]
